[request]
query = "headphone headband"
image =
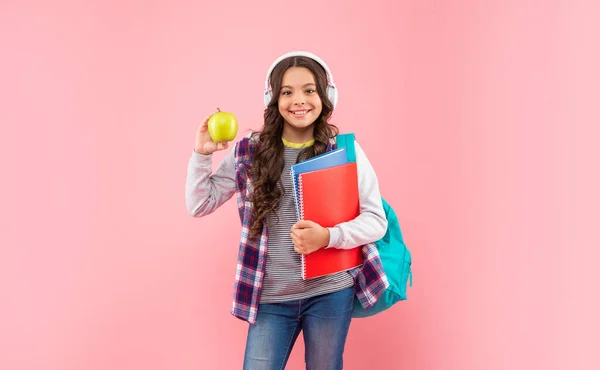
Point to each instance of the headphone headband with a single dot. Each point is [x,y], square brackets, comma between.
[331,88]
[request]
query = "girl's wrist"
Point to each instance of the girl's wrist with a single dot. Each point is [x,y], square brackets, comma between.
[326,237]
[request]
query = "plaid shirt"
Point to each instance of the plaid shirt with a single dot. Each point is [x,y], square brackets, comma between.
[370,279]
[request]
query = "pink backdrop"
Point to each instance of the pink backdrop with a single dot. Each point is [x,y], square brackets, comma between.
[480,118]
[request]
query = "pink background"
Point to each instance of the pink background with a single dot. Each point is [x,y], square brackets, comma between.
[480,117]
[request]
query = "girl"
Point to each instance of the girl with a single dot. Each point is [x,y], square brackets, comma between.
[270,293]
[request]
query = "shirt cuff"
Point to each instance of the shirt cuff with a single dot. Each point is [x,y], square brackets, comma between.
[203,159]
[335,237]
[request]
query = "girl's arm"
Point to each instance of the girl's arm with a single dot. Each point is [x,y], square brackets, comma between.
[371,224]
[206,191]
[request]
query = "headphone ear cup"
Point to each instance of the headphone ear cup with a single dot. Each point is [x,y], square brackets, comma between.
[332,94]
[267,98]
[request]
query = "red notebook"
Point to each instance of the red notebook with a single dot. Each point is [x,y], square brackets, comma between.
[329,197]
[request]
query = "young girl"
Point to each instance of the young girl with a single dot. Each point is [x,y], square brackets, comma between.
[270,293]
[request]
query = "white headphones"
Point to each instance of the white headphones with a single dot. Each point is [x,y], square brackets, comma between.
[332,92]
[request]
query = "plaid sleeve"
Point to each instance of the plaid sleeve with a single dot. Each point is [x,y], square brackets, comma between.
[370,279]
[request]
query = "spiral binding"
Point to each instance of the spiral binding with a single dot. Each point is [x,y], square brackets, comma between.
[301,215]
[299,210]
[300,199]
[296,197]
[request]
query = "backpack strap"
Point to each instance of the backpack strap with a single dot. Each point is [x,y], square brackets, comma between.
[347,141]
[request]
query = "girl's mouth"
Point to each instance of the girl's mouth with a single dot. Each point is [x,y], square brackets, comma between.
[300,113]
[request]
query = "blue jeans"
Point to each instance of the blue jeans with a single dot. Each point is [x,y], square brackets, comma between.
[324,319]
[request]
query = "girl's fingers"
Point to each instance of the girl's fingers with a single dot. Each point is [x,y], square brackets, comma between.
[208,117]
[205,120]
[210,147]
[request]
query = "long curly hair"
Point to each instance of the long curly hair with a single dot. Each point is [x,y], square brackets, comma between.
[268,162]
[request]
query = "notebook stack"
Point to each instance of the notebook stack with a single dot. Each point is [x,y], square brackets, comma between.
[326,192]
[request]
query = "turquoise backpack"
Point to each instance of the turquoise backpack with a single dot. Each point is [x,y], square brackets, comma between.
[395,257]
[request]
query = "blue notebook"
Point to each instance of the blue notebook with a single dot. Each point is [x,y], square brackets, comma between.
[326,160]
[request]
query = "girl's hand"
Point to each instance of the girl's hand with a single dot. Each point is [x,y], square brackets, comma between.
[309,236]
[204,143]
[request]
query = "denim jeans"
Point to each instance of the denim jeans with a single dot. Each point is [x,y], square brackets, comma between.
[324,320]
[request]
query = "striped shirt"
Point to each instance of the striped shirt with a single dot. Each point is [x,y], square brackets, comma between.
[283,276]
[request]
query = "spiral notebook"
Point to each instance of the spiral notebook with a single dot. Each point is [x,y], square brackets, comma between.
[326,160]
[329,197]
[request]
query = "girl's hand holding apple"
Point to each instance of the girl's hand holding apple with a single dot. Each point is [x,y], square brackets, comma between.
[215,131]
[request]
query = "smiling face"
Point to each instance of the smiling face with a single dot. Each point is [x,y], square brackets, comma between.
[299,104]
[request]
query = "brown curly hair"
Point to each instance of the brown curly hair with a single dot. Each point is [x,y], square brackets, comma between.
[268,162]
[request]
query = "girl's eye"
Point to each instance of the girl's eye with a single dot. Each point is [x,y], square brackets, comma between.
[286,92]
[310,91]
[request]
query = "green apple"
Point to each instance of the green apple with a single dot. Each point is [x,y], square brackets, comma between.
[222,126]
